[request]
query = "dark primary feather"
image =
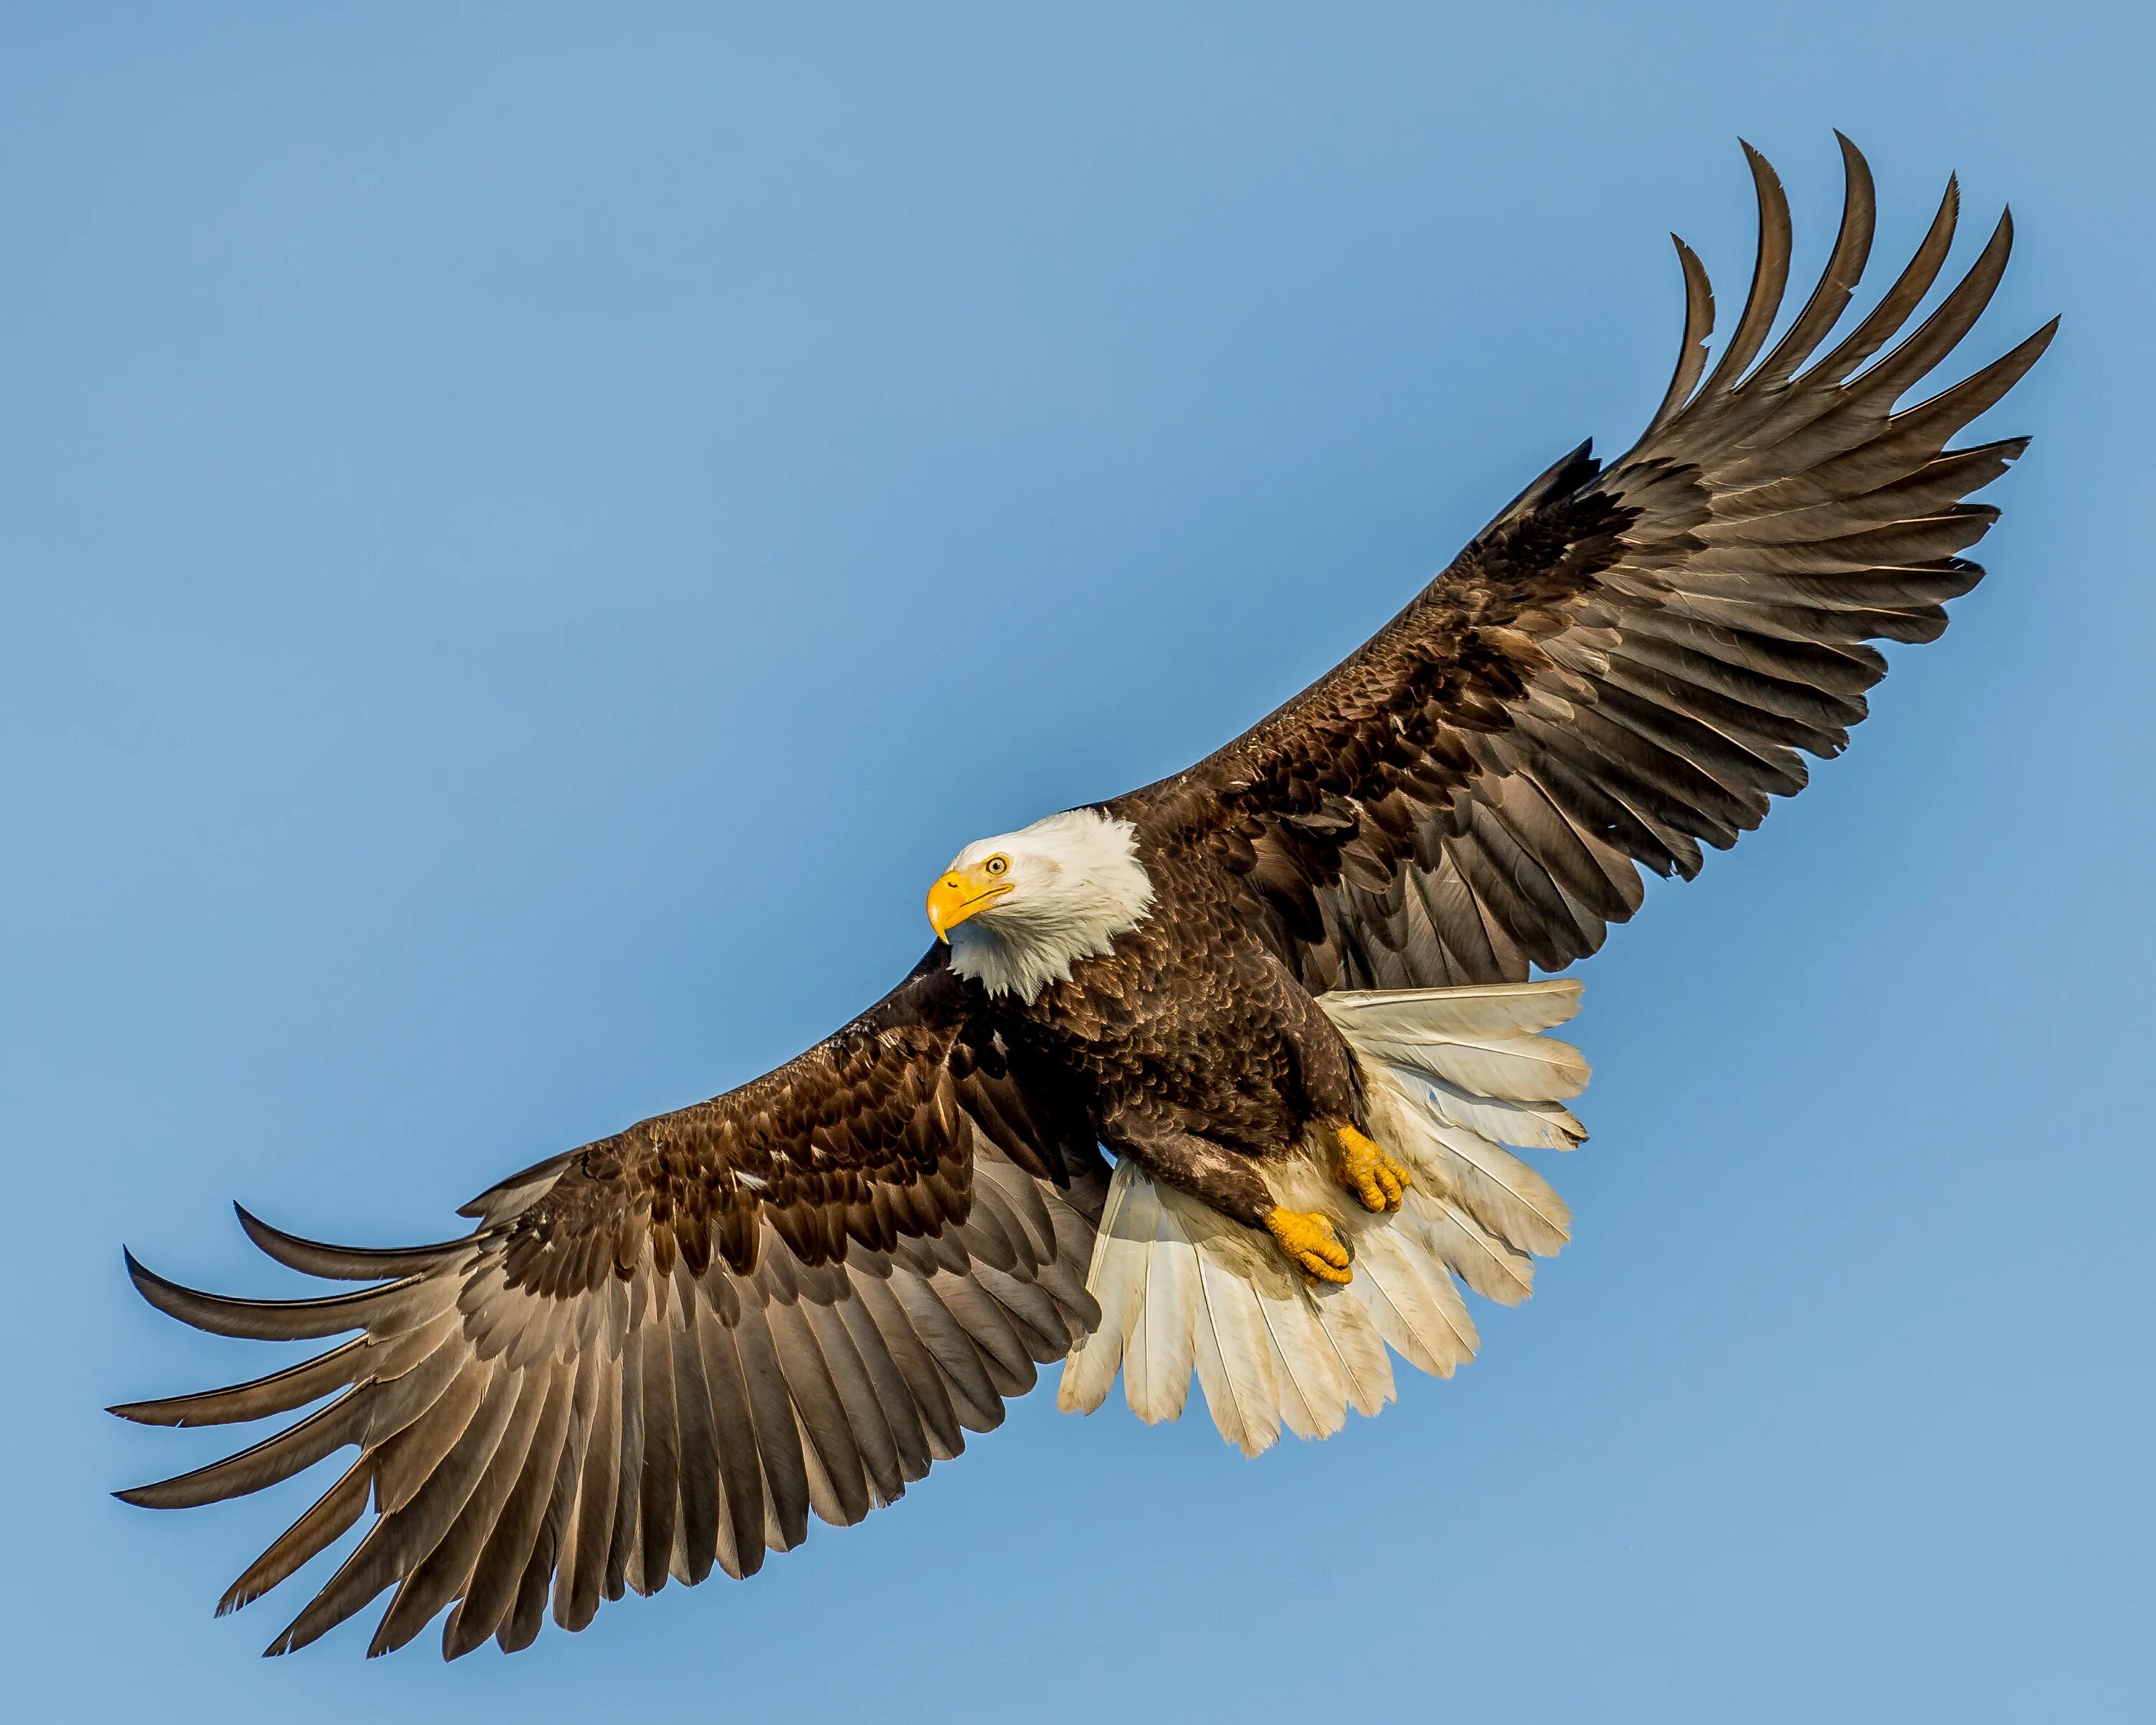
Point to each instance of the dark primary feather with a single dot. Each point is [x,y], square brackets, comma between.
[1625,664]
[655,1355]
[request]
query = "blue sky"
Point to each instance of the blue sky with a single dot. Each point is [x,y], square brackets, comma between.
[529,532]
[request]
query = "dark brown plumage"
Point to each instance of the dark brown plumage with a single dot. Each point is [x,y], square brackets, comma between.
[655,1355]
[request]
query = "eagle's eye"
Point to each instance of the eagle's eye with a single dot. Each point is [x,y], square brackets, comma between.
[998,865]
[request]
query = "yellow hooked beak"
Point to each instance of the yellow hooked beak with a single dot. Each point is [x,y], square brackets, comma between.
[962,892]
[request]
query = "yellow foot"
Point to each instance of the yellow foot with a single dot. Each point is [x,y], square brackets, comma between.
[1310,1244]
[1368,1172]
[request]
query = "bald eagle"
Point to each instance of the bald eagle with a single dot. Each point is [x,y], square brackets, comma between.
[1291,991]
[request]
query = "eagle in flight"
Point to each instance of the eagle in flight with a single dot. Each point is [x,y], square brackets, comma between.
[1290,990]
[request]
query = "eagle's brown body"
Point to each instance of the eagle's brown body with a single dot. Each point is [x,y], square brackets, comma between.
[1201,1053]
[654,1355]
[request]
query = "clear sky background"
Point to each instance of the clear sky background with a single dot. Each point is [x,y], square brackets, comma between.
[530,532]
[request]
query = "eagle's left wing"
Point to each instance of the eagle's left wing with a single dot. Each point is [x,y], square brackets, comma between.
[1626,663]
[658,1353]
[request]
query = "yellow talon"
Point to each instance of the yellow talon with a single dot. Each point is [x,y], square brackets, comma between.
[1368,1172]
[1310,1244]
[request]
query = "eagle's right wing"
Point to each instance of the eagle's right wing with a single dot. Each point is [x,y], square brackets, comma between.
[658,1353]
[1626,663]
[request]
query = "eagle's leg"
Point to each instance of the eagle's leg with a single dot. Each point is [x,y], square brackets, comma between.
[1327,1066]
[1232,1184]
[1365,1170]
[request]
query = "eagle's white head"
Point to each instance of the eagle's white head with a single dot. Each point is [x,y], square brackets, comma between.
[1020,909]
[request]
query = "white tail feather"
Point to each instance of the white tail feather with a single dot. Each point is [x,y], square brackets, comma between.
[1426,1330]
[1489,1266]
[1498,1189]
[1534,1127]
[1448,1076]
[1162,1346]
[1313,1395]
[1358,1347]
[1235,1362]
[1451,1014]
[1116,1279]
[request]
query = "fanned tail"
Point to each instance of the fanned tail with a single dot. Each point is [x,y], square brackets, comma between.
[1451,1076]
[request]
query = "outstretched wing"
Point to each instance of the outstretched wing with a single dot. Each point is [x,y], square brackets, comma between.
[659,1352]
[1626,663]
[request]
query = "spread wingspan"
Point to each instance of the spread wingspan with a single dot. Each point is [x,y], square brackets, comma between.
[656,1355]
